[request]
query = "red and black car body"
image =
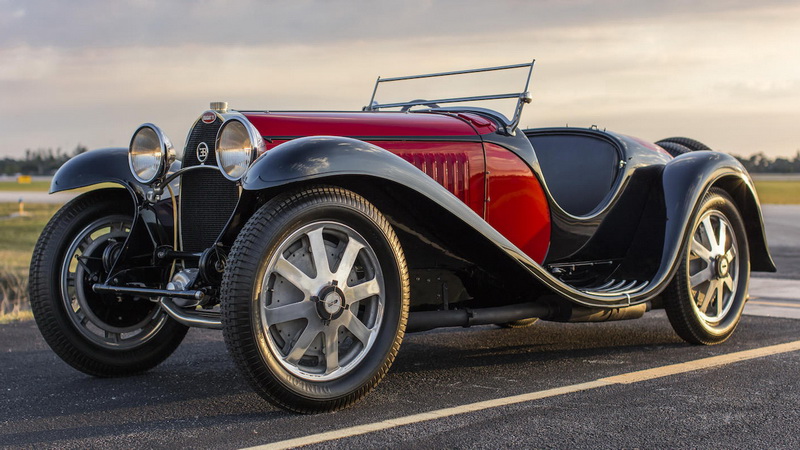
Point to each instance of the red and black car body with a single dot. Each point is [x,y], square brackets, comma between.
[496,224]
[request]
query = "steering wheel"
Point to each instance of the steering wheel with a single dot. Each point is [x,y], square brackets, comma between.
[426,103]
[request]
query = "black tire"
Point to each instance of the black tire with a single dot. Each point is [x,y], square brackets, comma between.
[705,299]
[674,148]
[100,335]
[300,373]
[521,323]
[689,143]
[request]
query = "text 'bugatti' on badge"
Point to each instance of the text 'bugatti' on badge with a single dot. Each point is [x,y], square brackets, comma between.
[202,152]
[209,117]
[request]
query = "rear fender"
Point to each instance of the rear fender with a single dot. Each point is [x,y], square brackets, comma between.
[686,179]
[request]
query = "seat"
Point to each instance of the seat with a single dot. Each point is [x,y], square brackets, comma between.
[579,169]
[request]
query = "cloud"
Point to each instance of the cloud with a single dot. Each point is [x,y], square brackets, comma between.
[93,23]
[89,72]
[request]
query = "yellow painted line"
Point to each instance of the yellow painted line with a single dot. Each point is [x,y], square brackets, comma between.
[626,378]
[781,304]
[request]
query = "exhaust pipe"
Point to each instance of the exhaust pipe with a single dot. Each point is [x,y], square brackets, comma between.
[428,320]
[191,318]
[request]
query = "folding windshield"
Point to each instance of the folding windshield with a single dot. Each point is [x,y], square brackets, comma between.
[471,87]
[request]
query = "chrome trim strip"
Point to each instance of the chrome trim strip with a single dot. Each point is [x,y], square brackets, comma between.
[604,286]
[627,293]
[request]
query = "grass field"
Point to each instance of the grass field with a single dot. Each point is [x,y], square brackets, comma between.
[20,233]
[42,186]
[17,238]
[778,192]
[38,186]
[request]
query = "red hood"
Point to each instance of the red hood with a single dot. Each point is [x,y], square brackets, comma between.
[287,125]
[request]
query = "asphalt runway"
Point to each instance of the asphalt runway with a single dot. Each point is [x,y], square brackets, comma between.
[197,398]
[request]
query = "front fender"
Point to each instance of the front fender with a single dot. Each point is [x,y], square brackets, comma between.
[687,178]
[107,165]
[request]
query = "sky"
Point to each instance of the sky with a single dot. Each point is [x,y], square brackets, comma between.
[89,72]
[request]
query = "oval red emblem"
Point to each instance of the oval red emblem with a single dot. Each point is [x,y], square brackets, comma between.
[209,117]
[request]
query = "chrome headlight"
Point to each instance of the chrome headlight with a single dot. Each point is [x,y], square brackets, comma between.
[238,143]
[150,153]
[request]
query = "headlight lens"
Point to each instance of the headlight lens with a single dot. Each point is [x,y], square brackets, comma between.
[238,142]
[150,153]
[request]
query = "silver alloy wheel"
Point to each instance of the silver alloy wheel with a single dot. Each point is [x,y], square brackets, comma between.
[713,267]
[83,306]
[321,301]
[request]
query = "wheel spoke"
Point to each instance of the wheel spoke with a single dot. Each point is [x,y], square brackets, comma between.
[720,298]
[701,251]
[709,230]
[331,350]
[728,281]
[709,295]
[295,276]
[361,291]
[113,337]
[300,346]
[731,255]
[318,252]
[701,277]
[293,311]
[347,261]
[82,317]
[722,237]
[85,243]
[359,330]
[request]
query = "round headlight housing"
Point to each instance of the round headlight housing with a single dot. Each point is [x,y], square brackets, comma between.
[150,153]
[238,143]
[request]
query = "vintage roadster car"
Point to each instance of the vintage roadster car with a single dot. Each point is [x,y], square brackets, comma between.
[316,240]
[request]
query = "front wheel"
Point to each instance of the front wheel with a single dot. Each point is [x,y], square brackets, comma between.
[315,299]
[99,334]
[705,299]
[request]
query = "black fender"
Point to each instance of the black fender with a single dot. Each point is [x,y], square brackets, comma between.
[687,178]
[151,221]
[329,160]
[107,165]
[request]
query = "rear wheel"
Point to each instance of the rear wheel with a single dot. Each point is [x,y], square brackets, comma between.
[99,334]
[315,299]
[705,299]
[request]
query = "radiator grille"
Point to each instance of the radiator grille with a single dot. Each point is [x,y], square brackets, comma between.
[451,170]
[207,197]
